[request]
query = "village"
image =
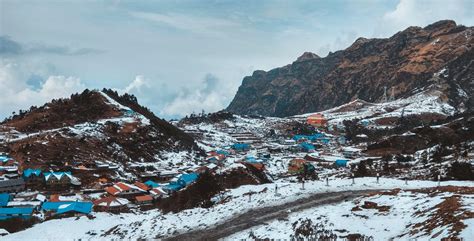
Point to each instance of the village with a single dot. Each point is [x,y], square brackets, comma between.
[46,194]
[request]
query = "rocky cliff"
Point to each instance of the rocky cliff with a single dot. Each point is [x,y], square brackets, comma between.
[407,61]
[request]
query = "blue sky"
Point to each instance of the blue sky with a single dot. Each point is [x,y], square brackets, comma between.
[180,57]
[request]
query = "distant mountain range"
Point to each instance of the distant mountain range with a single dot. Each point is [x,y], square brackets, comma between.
[370,69]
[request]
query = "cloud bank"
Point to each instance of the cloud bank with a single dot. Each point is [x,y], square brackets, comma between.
[18,94]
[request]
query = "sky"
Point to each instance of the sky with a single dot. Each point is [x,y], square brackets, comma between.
[180,57]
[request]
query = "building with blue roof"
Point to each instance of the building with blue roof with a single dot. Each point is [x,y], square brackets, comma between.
[341,162]
[67,207]
[4,158]
[172,187]
[19,212]
[53,206]
[75,207]
[241,146]
[222,152]
[4,199]
[152,184]
[33,177]
[187,179]
[312,137]
[31,172]
[307,147]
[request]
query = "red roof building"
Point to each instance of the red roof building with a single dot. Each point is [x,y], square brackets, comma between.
[317,120]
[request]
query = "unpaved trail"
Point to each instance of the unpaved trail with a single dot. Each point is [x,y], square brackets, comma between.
[259,216]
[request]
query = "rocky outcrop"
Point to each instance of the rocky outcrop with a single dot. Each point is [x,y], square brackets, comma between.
[402,63]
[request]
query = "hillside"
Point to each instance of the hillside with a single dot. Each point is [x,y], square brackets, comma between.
[440,53]
[90,128]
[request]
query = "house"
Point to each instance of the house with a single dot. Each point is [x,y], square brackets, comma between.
[17,212]
[142,186]
[312,137]
[60,179]
[215,158]
[187,179]
[211,167]
[223,152]
[144,199]
[10,171]
[111,204]
[6,160]
[12,185]
[317,120]
[33,177]
[124,190]
[241,147]
[341,162]
[172,187]
[67,208]
[307,147]
[75,208]
[298,166]
[152,184]
[4,199]
[157,192]
[167,175]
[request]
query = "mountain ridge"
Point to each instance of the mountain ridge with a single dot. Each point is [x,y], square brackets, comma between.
[405,61]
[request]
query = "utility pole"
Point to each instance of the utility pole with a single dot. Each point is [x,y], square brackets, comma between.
[384,97]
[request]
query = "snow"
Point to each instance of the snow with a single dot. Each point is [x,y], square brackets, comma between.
[371,222]
[427,101]
[153,223]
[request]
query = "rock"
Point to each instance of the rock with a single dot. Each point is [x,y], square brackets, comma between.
[406,61]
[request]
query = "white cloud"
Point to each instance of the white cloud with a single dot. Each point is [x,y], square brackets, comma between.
[195,24]
[17,94]
[137,84]
[208,97]
[423,12]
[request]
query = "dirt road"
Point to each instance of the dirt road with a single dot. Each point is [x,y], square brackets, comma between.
[259,216]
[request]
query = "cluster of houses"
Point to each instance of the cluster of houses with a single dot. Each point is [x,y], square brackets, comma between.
[20,195]
[116,198]
[121,196]
[25,205]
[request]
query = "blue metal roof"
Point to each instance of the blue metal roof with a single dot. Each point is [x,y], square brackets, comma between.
[188,178]
[28,172]
[53,206]
[80,207]
[4,158]
[225,153]
[152,184]
[306,146]
[240,146]
[173,186]
[22,210]
[308,137]
[4,199]
[341,162]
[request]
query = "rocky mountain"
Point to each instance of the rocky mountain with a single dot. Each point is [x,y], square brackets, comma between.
[440,54]
[94,127]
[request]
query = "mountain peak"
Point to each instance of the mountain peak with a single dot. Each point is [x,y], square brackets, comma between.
[442,24]
[307,56]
